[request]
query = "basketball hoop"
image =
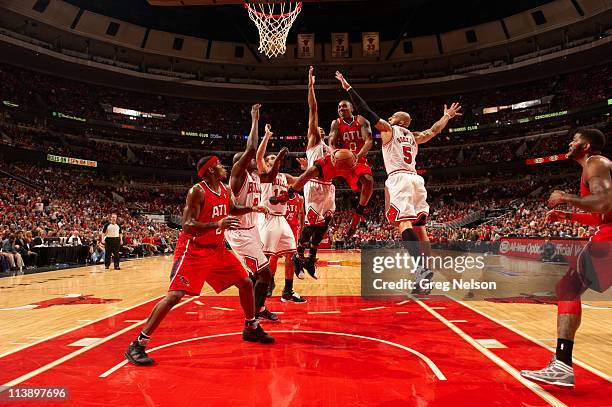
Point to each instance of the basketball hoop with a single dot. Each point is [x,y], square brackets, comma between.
[273,22]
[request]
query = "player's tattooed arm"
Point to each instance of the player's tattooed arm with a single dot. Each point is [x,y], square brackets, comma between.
[362,107]
[240,167]
[424,136]
[314,137]
[600,186]
[270,176]
[195,199]
[262,167]
[366,133]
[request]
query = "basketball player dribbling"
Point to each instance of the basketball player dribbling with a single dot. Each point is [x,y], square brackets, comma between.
[276,234]
[405,189]
[200,256]
[245,240]
[593,267]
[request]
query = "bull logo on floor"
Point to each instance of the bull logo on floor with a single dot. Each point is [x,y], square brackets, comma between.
[67,299]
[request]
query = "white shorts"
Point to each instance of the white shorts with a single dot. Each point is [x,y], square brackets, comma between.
[247,245]
[277,236]
[406,197]
[320,202]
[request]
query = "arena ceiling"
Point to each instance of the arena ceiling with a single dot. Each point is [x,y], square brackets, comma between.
[392,18]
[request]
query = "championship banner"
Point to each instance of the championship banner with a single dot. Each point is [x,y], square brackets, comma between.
[562,250]
[71,160]
[340,45]
[371,44]
[544,160]
[306,45]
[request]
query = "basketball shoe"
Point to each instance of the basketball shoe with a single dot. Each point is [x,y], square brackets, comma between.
[557,373]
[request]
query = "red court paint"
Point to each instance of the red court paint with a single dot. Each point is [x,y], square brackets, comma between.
[303,369]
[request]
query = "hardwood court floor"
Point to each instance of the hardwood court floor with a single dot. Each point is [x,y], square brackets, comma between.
[97,306]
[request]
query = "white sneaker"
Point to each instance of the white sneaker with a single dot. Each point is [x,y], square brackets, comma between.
[422,274]
[557,373]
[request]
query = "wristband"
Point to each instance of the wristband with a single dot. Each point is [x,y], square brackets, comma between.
[449,116]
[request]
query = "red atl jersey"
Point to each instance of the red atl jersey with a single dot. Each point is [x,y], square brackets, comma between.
[349,134]
[293,208]
[214,208]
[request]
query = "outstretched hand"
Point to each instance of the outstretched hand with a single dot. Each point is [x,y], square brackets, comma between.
[255,111]
[282,154]
[453,110]
[342,80]
[269,132]
[303,163]
[311,77]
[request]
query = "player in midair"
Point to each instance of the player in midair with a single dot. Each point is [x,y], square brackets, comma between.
[245,240]
[593,268]
[200,256]
[407,196]
[354,133]
[276,234]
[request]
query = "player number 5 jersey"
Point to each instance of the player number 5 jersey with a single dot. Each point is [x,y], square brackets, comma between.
[399,154]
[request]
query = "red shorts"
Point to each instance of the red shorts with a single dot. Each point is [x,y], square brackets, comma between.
[195,265]
[351,176]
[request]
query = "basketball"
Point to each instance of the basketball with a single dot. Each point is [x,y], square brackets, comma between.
[343,159]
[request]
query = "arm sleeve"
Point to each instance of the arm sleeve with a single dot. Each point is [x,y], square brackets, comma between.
[362,107]
[104,228]
[589,219]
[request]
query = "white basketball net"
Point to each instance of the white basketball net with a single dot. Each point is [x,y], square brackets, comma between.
[273,22]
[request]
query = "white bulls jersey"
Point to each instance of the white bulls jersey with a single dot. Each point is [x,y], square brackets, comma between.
[399,154]
[317,152]
[406,196]
[249,194]
[269,190]
[319,196]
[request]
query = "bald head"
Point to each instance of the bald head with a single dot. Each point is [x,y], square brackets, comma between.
[402,119]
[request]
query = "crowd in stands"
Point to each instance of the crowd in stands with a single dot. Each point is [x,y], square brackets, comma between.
[66,206]
[43,92]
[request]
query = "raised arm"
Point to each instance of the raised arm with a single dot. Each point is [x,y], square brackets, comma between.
[362,107]
[195,199]
[598,178]
[262,167]
[270,176]
[424,136]
[240,167]
[313,115]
